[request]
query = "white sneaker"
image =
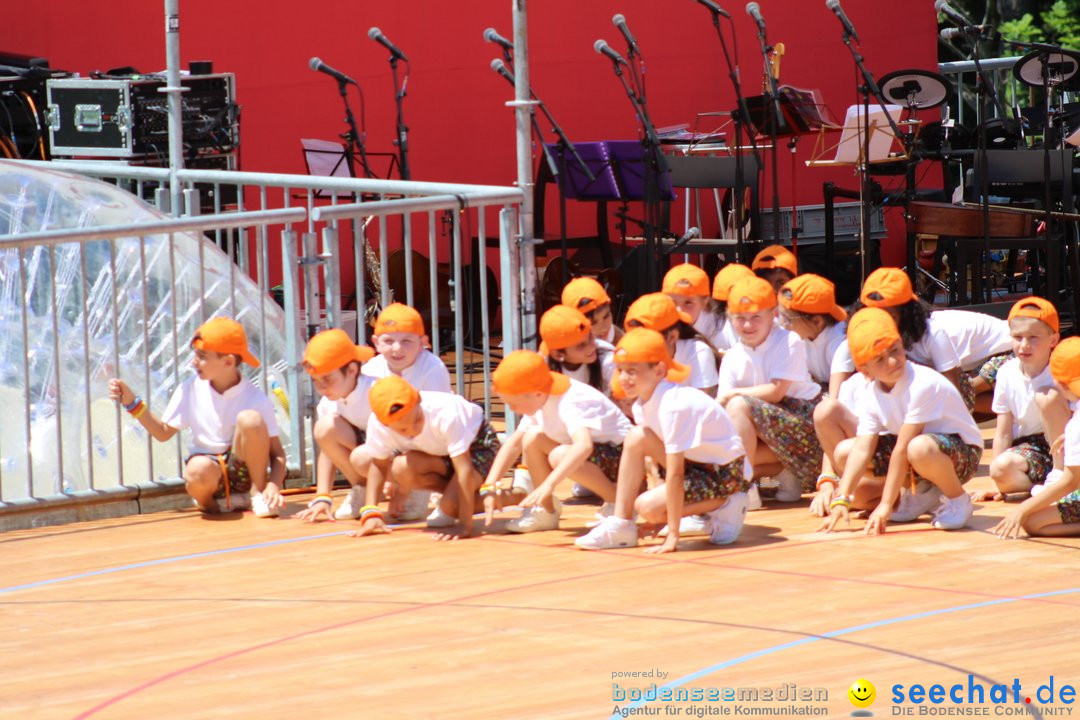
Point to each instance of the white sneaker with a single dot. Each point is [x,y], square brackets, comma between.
[349,509]
[953,513]
[688,525]
[580,491]
[753,499]
[259,506]
[726,522]
[606,510]
[439,519]
[913,505]
[536,518]
[789,489]
[613,532]
[416,506]
[522,480]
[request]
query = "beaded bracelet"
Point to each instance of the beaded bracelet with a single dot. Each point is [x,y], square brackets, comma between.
[826,478]
[134,403]
[370,511]
[321,499]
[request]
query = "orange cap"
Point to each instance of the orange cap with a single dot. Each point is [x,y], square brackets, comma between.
[1038,308]
[333,349]
[562,327]
[399,318]
[391,397]
[584,295]
[727,277]
[1065,364]
[648,346]
[775,256]
[870,332]
[686,279]
[226,336]
[751,294]
[811,294]
[524,371]
[887,287]
[655,311]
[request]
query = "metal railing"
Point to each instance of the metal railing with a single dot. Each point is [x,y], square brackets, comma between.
[315,241]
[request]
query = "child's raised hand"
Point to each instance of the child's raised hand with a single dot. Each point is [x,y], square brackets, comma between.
[120,392]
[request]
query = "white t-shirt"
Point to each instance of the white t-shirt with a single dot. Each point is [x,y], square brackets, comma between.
[701,360]
[450,426]
[426,373]
[936,349]
[211,416]
[922,396]
[690,422]
[606,353]
[821,351]
[582,406]
[354,407]
[852,390]
[782,356]
[842,361]
[716,329]
[1072,441]
[1015,393]
[975,335]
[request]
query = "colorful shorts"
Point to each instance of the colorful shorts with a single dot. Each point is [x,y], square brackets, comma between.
[989,369]
[606,456]
[1036,451]
[967,391]
[787,427]
[1069,507]
[482,452]
[233,470]
[965,458]
[706,481]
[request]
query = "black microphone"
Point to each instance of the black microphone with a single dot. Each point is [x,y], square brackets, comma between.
[754,11]
[493,37]
[952,13]
[953,33]
[834,5]
[689,235]
[376,35]
[497,66]
[603,48]
[715,9]
[620,22]
[319,66]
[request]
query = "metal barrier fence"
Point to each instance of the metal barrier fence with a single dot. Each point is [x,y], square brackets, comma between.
[315,244]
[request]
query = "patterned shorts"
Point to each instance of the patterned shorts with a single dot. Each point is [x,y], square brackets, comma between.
[1036,451]
[482,452]
[989,369]
[606,456]
[787,427]
[1069,507]
[965,458]
[233,470]
[708,482]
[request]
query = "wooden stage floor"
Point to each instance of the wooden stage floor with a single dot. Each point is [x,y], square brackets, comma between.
[172,615]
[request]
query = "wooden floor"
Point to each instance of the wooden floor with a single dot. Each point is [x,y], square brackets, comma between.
[175,615]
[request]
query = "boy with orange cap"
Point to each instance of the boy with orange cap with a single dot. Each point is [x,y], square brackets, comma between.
[723,337]
[767,390]
[401,342]
[911,420]
[1030,411]
[568,430]
[333,361]
[233,432]
[424,440]
[688,434]
[776,265]
[589,297]
[657,311]
[1055,512]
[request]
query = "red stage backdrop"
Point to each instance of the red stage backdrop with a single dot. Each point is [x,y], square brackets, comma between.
[460,129]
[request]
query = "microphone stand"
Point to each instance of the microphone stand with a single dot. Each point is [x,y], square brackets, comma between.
[402,140]
[774,126]
[353,135]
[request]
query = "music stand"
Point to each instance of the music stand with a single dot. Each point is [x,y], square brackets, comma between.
[577,185]
[848,149]
[800,112]
[628,159]
[326,158]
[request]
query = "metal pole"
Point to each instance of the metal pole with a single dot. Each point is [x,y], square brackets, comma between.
[173,90]
[523,112]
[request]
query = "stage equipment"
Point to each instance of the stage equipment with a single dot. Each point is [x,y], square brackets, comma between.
[402,139]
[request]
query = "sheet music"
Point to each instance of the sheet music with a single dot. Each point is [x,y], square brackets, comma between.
[849,149]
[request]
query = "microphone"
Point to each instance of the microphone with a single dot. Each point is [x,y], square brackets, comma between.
[952,33]
[689,235]
[603,48]
[620,22]
[376,35]
[493,37]
[952,13]
[715,9]
[754,11]
[498,66]
[319,66]
[834,5]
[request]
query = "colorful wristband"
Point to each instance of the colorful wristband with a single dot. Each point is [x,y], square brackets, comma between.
[827,478]
[134,403]
[487,489]
[139,410]
[840,501]
[321,499]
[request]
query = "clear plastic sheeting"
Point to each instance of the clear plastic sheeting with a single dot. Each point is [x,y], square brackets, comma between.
[73,315]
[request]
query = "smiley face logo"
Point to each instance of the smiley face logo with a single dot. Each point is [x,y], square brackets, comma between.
[862,693]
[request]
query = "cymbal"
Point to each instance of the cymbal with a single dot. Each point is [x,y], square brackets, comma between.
[916,89]
[1059,67]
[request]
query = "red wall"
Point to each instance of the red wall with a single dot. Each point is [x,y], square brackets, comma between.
[460,129]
